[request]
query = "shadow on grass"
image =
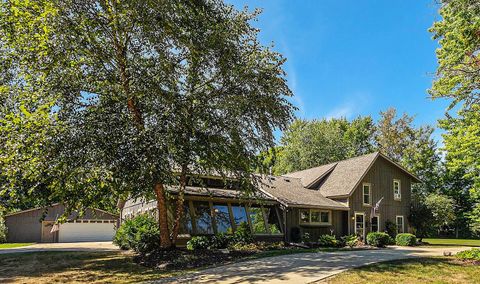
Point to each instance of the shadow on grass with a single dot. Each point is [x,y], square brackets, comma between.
[75,266]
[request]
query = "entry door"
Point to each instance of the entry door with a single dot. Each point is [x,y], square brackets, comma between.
[360,225]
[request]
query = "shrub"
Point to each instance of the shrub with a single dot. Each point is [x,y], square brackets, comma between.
[350,241]
[472,254]
[220,241]
[199,242]
[378,239]
[306,238]
[391,228]
[405,240]
[140,234]
[327,241]
[257,246]
[243,234]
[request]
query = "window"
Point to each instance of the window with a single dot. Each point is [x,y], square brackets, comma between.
[258,220]
[186,222]
[314,217]
[360,225]
[400,225]
[273,220]
[222,218]
[239,215]
[203,218]
[366,194]
[397,190]
[375,224]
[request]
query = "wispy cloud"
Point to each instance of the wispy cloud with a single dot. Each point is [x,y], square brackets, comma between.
[350,107]
[292,79]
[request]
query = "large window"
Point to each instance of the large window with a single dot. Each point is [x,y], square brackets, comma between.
[400,225]
[222,219]
[273,220]
[203,218]
[366,194]
[257,218]
[239,215]
[397,189]
[314,217]
[186,222]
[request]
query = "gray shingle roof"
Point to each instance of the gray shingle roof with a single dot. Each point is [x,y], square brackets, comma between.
[310,176]
[291,192]
[341,178]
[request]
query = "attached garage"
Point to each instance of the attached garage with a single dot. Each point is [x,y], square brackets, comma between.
[29,226]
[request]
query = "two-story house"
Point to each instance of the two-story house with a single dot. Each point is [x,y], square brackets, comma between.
[353,196]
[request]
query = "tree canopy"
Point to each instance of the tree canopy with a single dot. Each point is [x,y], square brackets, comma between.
[139,95]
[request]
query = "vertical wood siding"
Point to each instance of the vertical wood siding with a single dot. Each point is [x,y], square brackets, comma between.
[381,176]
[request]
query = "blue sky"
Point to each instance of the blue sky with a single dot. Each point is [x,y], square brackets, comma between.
[350,58]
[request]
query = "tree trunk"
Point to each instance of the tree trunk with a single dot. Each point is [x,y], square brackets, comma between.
[179,206]
[165,241]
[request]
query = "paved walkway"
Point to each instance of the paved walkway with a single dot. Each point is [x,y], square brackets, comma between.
[82,246]
[303,267]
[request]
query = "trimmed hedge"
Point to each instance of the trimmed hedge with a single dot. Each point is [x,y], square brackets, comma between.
[378,239]
[242,236]
[405,240]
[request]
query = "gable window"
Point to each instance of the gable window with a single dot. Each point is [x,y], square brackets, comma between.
[315,217]
[397,190]
[366,194]
[400,225]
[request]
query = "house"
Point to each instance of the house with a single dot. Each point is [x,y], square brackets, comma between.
[29,226]
[353,196]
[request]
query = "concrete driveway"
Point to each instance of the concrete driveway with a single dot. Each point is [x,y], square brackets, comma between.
[81,246]
[303,267]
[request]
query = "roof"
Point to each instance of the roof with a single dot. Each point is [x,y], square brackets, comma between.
[342,177]
[291,192]
[54,205]
[309,177]
[220,193]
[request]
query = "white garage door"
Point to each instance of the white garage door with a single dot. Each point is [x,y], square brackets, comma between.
[86,232]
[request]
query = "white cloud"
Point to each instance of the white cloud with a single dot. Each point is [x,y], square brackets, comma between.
[351,107]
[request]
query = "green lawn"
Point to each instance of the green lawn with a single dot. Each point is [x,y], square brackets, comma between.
[428,270]
[453,242]
[14,245]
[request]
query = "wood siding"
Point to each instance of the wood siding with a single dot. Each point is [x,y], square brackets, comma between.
[380,177]
[27,226]
[338,224]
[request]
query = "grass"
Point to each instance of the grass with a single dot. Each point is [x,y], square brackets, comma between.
[427,270]
[88,267]
[14,245]
[453,242]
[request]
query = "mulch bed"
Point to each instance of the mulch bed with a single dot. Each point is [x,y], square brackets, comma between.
[179,259]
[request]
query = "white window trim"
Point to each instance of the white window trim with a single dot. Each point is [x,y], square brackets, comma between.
[403,224]
[378,224]
[398,196]
[355,223]
[369,194]
[310,217]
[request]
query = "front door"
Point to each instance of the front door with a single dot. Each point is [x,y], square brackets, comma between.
[360,225]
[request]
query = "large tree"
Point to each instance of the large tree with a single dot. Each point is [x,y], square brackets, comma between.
[145,94]
[308,144]
[458,78]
